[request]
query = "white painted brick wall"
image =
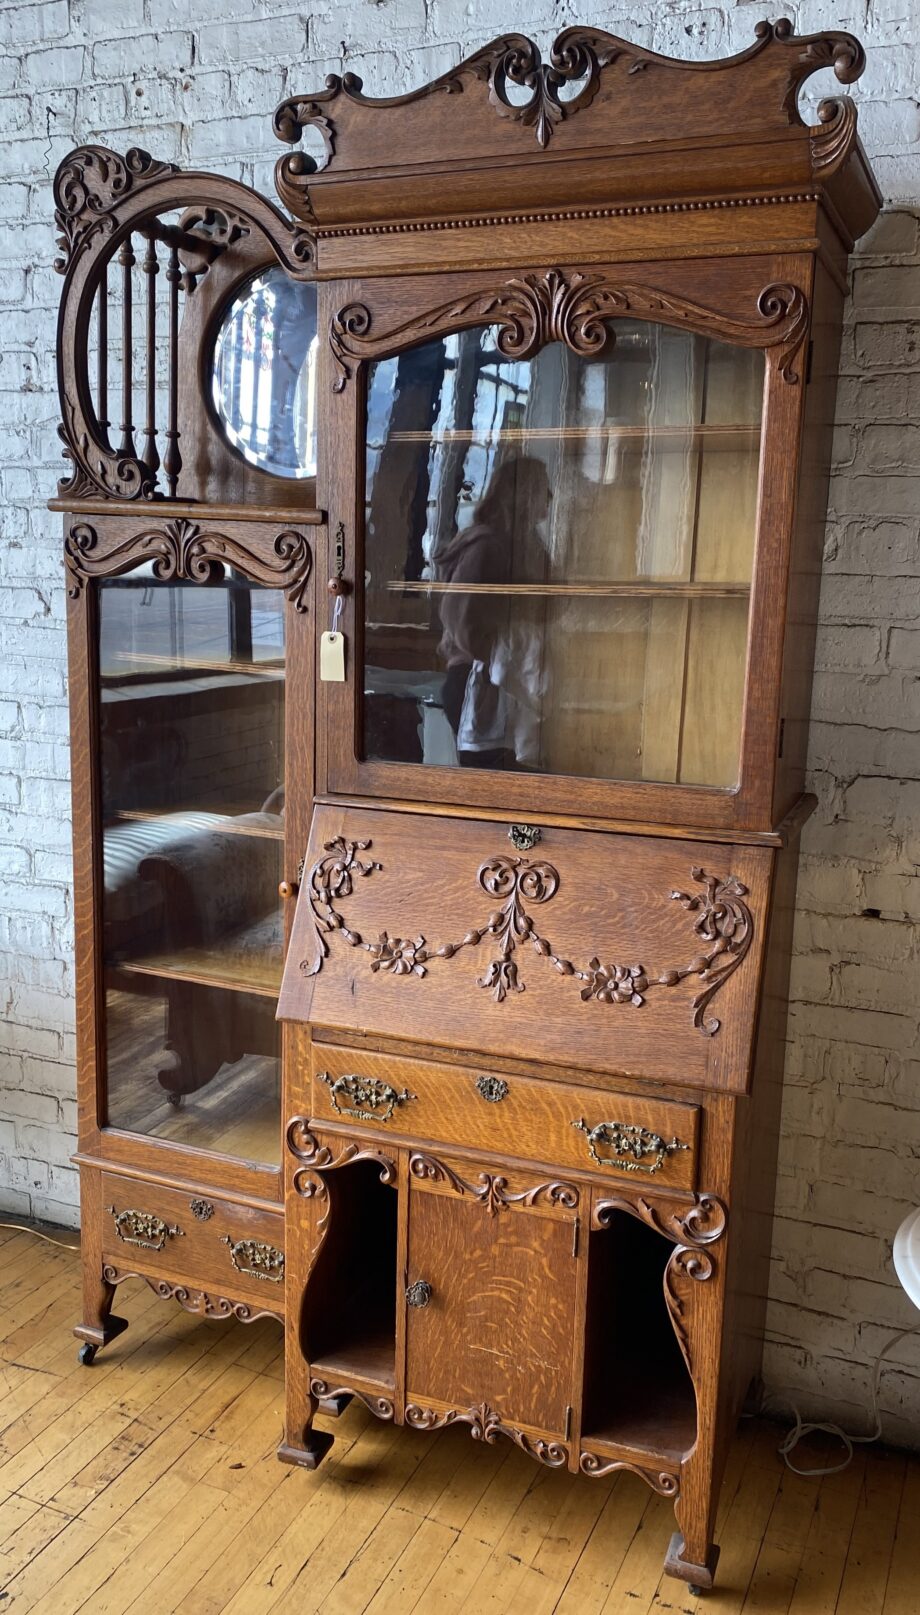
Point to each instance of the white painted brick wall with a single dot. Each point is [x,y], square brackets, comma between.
[197,81]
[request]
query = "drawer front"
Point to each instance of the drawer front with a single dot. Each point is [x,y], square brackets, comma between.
[208,1243]
[562,1124]
[637,955]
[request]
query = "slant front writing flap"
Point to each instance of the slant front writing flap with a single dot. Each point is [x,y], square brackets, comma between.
[617,953]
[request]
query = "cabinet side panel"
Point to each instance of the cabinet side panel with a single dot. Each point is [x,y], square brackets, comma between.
[87,860]
[808,542]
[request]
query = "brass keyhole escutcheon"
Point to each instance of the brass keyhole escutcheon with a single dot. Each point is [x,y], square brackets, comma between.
[418,1294]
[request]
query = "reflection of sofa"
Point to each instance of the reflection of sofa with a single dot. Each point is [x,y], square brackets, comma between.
[192,892]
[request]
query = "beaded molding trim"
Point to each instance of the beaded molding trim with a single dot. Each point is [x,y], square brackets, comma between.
[560,215]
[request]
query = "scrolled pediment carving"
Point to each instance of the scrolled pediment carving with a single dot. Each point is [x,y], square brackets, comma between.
[183,550]
[570,307]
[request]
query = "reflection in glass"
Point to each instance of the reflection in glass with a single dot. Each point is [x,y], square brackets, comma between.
[192,771]
[559,553]
[264,380]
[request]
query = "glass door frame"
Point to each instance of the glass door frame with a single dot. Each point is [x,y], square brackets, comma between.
[720,296]
[98,1143]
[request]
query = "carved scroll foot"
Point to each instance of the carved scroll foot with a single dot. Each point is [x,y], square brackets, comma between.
[316,1444]
[700,1577]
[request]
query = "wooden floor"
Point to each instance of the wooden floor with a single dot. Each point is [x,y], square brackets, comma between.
[149,1483]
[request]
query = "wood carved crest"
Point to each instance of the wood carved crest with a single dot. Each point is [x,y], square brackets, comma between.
[490,1189]
[723,924]
[199,1302]
[181,549]
[486,1425]
[571,307]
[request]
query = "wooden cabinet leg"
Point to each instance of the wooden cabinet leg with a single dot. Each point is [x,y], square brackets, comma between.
[302,1444]
[98,1326]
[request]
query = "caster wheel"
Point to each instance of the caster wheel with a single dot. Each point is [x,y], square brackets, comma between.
[86,1354]
[174,1099]
[696,1592]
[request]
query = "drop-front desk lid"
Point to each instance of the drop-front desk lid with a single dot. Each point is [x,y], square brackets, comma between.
[616,953]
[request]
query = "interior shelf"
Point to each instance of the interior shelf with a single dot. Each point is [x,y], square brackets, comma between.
[730,436]
[637,588]
[371,1359]
[253,966]
[226,823]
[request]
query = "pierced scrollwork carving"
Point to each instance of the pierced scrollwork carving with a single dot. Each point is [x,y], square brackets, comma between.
[316,1158]
[633,1149]
[182,549]
[700,1223]
[687,1267]
[143,1228]
[256,1259]
[366,1099]
[199,1302]
[491,1190]
[380,1406]
[487,1425]
[723,922]
[571,307]
[87,186]
[660,1480]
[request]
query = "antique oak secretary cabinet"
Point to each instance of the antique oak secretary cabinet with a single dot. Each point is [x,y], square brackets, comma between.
[443,571]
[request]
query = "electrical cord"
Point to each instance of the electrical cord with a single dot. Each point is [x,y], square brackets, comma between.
[802,1428]
[23,1228]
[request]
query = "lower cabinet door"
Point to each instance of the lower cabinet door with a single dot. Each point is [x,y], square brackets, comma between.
[491,1293]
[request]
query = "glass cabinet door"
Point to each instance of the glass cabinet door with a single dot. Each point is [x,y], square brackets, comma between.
[558,556]
[191,707]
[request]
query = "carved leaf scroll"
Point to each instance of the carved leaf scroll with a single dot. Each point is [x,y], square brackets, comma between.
[199,1302]
[660,1480]
[487,1425]
[556,306]
[181,549]
[724,924]
[491,1190]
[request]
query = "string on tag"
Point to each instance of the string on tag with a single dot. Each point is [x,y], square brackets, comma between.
[337,610]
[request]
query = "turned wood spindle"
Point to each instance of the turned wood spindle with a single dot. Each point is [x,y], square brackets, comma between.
[102,355]
[127,260]
[172,459]
[151,269]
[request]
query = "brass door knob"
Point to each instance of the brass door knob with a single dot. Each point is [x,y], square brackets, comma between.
[418,1294]
[287,888]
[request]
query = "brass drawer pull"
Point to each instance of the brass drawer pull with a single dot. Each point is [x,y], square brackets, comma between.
[418,1294]
[365,1098]
[629,1146]
[143,1229]
[492,1088]
[256,1260]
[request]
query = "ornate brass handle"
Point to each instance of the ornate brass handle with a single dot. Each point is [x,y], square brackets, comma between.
[418,1294]
[256,1260]
[629,1146]
[366,1098]
[143,1229]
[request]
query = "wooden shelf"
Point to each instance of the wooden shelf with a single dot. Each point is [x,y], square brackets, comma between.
[657,1419]
[637,589]
[228,964]
[229,823]
[144,662]
[372,1361]
[727,437]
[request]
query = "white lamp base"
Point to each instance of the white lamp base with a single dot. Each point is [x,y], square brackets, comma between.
[907,1255]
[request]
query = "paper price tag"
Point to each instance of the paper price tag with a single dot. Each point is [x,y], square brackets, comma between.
[332,658]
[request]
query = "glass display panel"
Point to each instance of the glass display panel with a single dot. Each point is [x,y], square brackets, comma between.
[559,553]
[264,377]
[191,705]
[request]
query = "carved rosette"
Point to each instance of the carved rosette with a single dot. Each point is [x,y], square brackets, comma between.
[183,550]
[724,924]
[574,308]
[199,1302]
[487,1425]
[491,1190]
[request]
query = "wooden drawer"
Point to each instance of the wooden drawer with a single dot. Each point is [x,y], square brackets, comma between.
[564,1125]
[208,1243]
[634,955]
